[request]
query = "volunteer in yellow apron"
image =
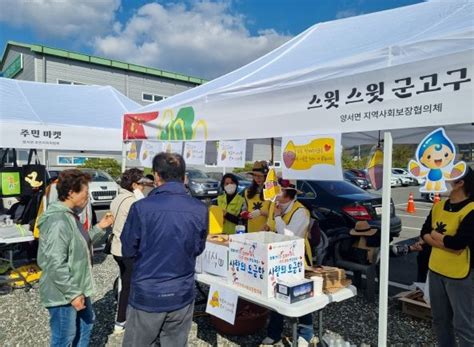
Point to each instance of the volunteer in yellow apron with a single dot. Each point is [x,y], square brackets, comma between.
[255,204]
[289,217]
[231,202]
[449,229]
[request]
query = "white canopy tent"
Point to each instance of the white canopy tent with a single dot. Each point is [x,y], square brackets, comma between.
[402,71]
[54,116]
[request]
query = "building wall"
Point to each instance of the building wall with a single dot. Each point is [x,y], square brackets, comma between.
[28,73]
[128,83]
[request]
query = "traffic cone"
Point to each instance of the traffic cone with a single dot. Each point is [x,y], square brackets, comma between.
[436,198]
[411,204]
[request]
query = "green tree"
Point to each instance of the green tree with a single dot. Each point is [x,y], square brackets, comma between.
[111,166]
[402,154]
[247,168]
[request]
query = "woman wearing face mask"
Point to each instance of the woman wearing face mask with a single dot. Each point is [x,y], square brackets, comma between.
[449,230]
[132,186]
[66,284]
[255,204]
[230,202]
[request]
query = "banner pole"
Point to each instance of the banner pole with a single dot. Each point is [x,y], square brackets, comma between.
[385,239]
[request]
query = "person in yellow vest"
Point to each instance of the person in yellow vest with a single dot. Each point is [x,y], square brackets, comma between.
[449,229]
[288,216]
[231,202]
[255,204]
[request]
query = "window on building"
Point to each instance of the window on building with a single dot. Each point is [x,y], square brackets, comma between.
[70,82]
[149,97]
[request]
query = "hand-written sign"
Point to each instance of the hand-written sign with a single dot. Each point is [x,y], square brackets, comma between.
[312,157]
[222,303]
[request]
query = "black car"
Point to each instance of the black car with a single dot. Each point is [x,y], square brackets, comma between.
[343,204]
[359,181]
[201,185]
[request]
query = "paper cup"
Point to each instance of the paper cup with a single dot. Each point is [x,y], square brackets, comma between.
[318,285]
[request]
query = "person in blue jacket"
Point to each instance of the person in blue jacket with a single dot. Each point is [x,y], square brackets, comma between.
[164,233]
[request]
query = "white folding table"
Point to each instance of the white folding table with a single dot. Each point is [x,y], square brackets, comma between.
[11,237]
[292,311]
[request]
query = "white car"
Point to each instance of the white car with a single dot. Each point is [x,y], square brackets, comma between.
[395,182]
[406,178]
[102,189]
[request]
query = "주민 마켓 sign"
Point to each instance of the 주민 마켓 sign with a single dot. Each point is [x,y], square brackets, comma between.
[312,157]
[222,303]
[195,152]
[231,153]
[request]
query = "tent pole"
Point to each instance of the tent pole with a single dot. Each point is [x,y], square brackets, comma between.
[385,239]
[124,156]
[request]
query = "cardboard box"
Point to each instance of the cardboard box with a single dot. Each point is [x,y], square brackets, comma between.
[215,258]
[294,291]
[258,260]
[414,305]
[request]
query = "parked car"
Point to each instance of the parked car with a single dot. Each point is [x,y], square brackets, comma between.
[102,189]
[348,202]
[201,185]
[406,178]
[244,182]
[359,181]
[53,174]
[395,182]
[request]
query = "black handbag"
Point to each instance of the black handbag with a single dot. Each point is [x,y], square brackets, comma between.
[110,237]
[34,175]
[108,243]
[10,176]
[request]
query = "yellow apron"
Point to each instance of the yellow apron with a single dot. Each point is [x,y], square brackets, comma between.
[287,219]
[234,208]
[256,224]
[446,263]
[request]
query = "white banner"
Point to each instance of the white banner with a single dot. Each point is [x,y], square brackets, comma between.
[231,153]
[39,136]
[195,153]
[222,303]
[431,92]
[312,157]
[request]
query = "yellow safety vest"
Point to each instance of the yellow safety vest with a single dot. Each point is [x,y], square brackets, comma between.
[446,263]
[256,224]
[234,208]
[287,219]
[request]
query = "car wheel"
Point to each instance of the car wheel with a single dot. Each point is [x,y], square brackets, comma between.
[431,197]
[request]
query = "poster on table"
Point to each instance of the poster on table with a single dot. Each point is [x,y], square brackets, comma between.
[195,152]
[222,303]
[231,153]
[435,160]
[312,157]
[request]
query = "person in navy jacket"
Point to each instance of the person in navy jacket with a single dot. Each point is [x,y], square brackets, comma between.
[164,233]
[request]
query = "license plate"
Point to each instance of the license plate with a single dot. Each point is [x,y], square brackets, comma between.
[103,198]
[212,192]
[378,211]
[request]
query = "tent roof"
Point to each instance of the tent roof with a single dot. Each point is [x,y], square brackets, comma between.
[43,103]
[349,46]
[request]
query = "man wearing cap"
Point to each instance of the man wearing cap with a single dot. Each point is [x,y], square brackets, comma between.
[255,203]
[289,217]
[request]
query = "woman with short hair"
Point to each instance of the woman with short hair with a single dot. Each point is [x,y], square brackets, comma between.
[64,256]
[132,185]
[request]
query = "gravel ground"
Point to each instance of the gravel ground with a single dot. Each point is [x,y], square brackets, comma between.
[23,322]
